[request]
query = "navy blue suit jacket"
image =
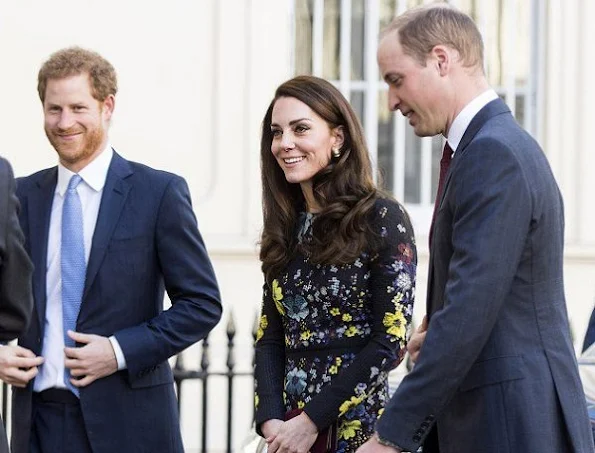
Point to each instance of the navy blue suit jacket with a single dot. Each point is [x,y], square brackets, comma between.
[590,334]
[497,371]
[146,241]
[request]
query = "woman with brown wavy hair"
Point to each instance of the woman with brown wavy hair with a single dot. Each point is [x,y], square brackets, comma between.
[339,261]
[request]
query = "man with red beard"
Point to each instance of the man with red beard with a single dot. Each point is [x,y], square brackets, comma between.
[107,237]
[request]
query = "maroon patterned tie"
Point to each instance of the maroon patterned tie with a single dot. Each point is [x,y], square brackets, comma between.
[444,164]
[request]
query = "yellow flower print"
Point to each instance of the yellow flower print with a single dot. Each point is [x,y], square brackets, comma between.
[398,298]
[301,404]
[348,429]
[396,323]
[262,325]
[256,400]
[354,401]
[380,412]
[333,369]
[335,311]
[338,361]
[389,319]
[346,317]
[278,297]
[306,335]
[352,331]
[397,332]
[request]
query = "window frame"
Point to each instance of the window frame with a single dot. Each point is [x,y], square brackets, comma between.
[372,87]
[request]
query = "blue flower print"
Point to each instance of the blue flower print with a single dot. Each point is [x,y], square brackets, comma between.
[356,412]
[297,307]
[342,446]
[296,381]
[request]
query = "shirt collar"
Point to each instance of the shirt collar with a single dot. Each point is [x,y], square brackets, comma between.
[94,174]
[465,116]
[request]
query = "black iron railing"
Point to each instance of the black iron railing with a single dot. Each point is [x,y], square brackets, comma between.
[204,374]
[183,374]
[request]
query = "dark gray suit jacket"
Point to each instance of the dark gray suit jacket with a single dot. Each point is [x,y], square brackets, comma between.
[16,300]
[497,372]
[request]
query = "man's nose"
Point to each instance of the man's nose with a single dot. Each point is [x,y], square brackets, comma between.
[393,100]
[66,120]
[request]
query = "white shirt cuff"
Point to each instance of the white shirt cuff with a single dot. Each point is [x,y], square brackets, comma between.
[119,354]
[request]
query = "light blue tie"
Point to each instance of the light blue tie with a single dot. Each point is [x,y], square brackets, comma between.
[73,265]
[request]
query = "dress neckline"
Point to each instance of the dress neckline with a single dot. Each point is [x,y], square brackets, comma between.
[305,225]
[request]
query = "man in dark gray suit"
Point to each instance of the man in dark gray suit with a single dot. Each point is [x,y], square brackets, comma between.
[16,300]
[497,371]
[590,334]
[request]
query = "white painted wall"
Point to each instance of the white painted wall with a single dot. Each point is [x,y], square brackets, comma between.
[568,118]
[195,79]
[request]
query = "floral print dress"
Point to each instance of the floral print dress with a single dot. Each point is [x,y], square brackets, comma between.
[329,335]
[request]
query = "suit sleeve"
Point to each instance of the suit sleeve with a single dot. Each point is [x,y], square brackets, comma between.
[392,284]
[16,300]
[190,282]
[490,203]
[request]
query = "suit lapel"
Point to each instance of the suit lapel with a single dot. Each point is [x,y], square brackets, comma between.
[114,196]
[493,108]
[40,208]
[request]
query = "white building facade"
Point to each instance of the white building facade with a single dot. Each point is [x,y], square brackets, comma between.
[196,76]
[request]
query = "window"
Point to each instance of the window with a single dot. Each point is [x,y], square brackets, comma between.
[337,40]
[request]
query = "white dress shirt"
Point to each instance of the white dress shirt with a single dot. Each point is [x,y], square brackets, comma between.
[90,190]
[465,116]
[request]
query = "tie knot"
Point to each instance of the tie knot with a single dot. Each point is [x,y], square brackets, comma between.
[446,153]
[74,181]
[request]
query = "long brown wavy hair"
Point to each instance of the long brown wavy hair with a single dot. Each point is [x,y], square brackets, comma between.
[344,189]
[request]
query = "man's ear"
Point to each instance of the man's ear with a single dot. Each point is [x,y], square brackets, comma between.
[108,104]
[442,57]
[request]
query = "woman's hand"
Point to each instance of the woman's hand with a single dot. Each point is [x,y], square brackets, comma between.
[270,428]
[294,436]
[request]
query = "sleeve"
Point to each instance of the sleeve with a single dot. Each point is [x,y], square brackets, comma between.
[491,210]
[392,283]
[269,370]
[190,283]
[118,352]
[16,299]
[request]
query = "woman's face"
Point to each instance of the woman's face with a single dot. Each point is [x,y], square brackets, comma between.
[302,140]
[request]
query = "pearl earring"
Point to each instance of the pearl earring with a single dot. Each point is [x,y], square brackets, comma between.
[336,152]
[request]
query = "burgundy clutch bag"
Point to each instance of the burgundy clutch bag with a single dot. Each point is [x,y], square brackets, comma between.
[326,442]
